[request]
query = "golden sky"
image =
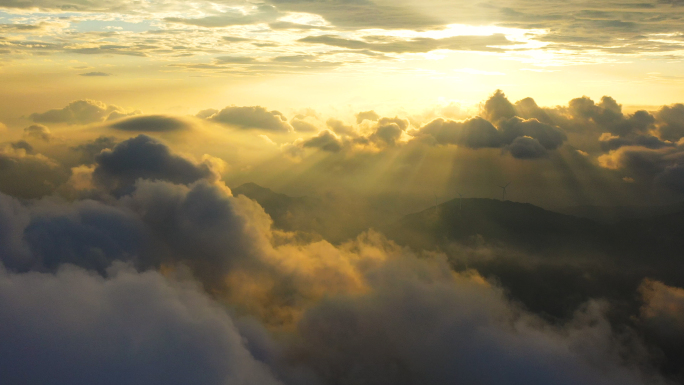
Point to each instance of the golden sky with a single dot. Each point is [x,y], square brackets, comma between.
[161,56]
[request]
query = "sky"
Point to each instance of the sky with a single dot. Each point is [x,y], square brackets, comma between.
[166,56]
[309,192]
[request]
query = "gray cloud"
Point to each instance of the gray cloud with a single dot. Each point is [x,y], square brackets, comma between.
[79,112]
[252,117]
[473,133]
[388,131]
[26,174]
[77,328]
[146,158]
[671,126]
[325,140]
[366,115]
[524,147]
[498,107]
[361,13]
[301,125]
[416,45]
[96,74]
[609,143]
[664,165]
[548,136]
[417,325]
[339,127]
[38,131]
[151,123]
[91,149]
[22,144]
[264,14]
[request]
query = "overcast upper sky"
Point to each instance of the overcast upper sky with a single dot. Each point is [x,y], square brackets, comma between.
[161,55]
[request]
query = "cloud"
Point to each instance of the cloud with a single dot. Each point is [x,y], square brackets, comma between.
[671,122]
[548,136]
[498,107]
[388,131]
[416,45]
[663,165]
[473,133]
[38,131]
[79,112]
[361,14]
[262,14]
[339,127]
[144,157]
[609,142]
[663,310]
[74,327]
[420,322]
[96,74]
[22,144]
[366,115]
[607,116]
[255,117]
[525,147]
[26,174]
[325,140]
[91,149]
[204,114]
[151,123]
[303,125]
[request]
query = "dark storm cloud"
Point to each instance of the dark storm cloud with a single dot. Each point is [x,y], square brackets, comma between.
[79,112]
[255,117]
[151,123]
[416,45]
[77,328]
[144,157]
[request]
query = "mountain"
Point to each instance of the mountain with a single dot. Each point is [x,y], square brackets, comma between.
[549,261]
[473,220]
[615,214]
